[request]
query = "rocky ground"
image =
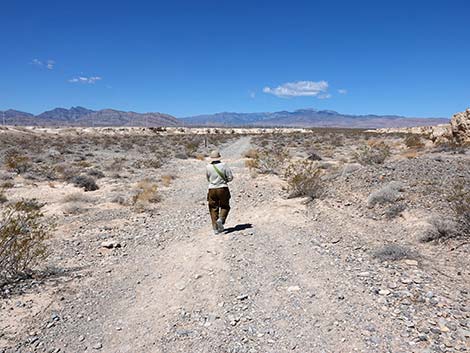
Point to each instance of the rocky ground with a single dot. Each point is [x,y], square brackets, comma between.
[288,275]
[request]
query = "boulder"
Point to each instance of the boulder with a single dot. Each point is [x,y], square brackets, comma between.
[460,125]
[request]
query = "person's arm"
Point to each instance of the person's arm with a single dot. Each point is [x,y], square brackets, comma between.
[228,173]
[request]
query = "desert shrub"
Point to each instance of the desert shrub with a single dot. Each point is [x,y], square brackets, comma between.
[22,238]
[387,194]
[374,153]
[96,173]
[3,197]
[439,229]
[393,252]
[152,163]
[117,165]
[313,155]
[459,200]
[181,155]
[17,162]
[270,161]
[7,185]
[394,210]
[413,141]
[86,182]
[146,193]
[191,147]
[303,179]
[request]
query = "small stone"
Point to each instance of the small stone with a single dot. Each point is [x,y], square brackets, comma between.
[242,297]
[411,262]
[110,244]
[97,346]
[384,292]
[81,338]
[293,289]
[364,274]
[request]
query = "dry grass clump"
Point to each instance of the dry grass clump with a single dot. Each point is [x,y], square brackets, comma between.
[251,153]
[394,252]
[303,179]
[167,179]
[146,194]
[23,238]
[376,152]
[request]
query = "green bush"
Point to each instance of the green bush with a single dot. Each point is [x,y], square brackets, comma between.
[22,238]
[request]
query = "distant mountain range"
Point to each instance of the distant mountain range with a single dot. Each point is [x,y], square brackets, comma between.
[310,118]
[79,116]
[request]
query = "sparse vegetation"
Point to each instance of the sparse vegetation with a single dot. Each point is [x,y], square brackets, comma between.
[23,235]
[303,179]
[373,153]
[414,141]
[394,252]
[86,182]
[146,194]
[389,193]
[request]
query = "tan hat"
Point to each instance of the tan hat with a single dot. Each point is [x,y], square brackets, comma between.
[215,156]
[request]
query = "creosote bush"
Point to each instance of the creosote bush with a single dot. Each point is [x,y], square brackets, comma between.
[373,153]
[303,179]
[413,141]
[22,238]
[86,182]
[269,161]
[17,162]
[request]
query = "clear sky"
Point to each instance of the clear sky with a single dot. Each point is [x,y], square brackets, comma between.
[191,57]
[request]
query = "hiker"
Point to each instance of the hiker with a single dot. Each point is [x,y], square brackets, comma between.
[218,175]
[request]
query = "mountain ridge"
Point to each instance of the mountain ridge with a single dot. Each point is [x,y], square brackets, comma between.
[309,117]
[306,117]
[80,116]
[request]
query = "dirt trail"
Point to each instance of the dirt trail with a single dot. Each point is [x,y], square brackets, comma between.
[268,285]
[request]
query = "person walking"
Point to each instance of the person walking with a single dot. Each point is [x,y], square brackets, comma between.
[218,196]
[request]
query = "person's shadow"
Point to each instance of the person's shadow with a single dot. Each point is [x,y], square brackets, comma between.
[238,228]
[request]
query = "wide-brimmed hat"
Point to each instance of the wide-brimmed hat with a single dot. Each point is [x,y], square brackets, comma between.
[215,156]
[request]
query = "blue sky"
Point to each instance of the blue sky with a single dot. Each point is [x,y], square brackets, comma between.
[192,57]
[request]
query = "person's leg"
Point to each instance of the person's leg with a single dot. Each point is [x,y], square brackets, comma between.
[213,207]
[224,204]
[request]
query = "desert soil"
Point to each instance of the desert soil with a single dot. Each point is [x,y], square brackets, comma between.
[285,277]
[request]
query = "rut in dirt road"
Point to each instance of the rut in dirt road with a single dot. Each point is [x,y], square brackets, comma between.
[267,285]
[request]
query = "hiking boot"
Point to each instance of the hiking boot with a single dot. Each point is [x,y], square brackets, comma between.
[216,232]
[220,225]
